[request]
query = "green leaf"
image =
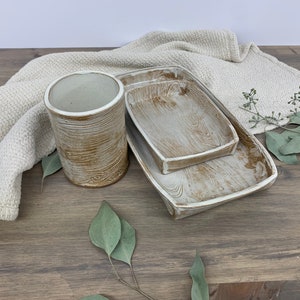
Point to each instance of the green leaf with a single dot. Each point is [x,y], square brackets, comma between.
[51,164]
[200,289]
[105,229]
[125,248]
[295,119]
[276,140]
[292,147]
[291,133]
[94,297]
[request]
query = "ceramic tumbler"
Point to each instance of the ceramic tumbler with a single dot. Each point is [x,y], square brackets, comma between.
[87,114]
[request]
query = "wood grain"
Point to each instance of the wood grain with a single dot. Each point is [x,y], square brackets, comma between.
[250,247]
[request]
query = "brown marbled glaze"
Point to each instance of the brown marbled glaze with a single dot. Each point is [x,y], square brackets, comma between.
[180,123]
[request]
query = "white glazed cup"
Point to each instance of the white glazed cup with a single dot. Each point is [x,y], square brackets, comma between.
[87,114]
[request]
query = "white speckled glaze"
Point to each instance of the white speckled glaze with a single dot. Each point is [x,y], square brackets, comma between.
[87,114]
[205,185]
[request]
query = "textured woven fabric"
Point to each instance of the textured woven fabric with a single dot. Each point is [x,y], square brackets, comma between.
[214,57]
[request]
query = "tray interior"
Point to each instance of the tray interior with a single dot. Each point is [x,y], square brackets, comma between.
[177,118]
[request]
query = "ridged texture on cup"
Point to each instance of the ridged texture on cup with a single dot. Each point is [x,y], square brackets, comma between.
[93,148]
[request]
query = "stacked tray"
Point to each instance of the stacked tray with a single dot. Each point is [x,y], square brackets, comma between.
[194,152]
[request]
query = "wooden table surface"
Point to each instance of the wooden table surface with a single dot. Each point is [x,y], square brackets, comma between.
[250,247]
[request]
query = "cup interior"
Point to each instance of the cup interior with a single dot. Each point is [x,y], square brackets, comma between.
[81,92]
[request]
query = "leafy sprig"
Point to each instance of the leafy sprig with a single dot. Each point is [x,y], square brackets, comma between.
[285,145]
[251,106]
[117,238]
[295,102]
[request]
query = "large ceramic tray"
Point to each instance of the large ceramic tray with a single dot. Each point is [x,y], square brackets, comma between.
[200,187]
[179,121]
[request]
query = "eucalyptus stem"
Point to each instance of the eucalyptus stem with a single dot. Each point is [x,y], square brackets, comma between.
[134,277]
[269,120]
[251,103]
[124,282]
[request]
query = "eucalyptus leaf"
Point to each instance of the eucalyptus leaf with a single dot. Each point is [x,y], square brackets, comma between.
[276,140]
[94,297]
[295,118]
[105,229]
[200,289]
[291,133]
[51,164]
[292,147]
[125,248]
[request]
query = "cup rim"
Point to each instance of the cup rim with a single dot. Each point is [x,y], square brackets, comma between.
[87,112]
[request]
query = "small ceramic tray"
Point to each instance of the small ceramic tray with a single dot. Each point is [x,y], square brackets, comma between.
[178,120]
[200,187]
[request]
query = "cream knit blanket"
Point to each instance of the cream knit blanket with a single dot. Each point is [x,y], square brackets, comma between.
[214,57]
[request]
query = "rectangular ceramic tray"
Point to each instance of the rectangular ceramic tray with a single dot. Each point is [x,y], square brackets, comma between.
[203,186]
[178,120]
